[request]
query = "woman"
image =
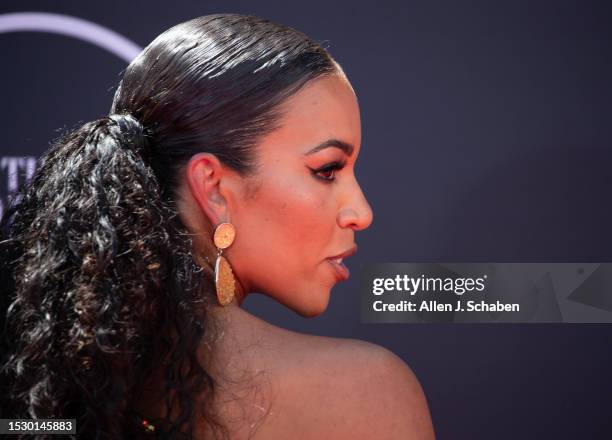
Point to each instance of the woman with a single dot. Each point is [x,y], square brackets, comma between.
[226,166]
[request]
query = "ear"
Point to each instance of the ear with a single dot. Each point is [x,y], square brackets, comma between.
[204,174]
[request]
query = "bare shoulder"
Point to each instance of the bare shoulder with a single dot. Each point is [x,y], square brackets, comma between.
[347,388]
[393,400]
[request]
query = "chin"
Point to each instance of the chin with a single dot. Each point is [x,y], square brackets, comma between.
[313,308]
[309,313]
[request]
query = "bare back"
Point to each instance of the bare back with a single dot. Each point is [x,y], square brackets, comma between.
[275,383]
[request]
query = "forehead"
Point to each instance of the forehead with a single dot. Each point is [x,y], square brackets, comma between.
[325,108]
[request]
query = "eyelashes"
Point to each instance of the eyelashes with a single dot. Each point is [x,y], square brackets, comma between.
[327,173]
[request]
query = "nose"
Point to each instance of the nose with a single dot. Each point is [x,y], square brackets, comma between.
[356,213]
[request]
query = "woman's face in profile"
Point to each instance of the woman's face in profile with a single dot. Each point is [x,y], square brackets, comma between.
[304,205]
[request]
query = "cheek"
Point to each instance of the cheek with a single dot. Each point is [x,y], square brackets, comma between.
[298,213]
[288,220]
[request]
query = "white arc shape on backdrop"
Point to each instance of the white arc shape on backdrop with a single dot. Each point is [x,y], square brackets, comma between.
[73,27]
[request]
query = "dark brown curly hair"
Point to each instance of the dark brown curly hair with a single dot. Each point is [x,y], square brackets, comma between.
[98,281]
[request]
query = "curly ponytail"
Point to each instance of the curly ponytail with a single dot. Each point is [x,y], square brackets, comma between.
[99,288]
[97,270]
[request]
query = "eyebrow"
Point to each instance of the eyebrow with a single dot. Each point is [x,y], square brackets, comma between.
[335,143]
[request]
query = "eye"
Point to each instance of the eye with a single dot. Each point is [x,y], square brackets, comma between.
[328,172]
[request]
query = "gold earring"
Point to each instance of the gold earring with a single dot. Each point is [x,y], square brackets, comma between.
[224,236]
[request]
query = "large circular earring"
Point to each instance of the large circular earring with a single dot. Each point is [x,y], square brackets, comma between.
[225,283]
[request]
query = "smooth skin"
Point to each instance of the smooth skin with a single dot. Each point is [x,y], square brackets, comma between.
[291,216]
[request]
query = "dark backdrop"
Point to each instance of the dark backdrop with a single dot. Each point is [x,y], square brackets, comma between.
[486,137]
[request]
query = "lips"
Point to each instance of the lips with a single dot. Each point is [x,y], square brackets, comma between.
[345,254]
[341,270]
